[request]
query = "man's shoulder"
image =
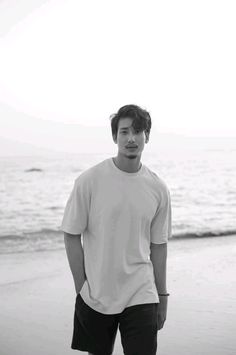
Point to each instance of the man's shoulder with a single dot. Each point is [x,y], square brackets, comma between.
[155,178]
[92,172]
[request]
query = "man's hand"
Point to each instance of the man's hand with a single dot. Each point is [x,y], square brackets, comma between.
[161,311]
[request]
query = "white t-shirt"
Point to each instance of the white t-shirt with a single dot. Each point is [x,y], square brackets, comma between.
[119,214]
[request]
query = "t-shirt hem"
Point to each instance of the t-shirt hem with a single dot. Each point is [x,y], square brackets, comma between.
[110,311]
[163,241]
[69,231]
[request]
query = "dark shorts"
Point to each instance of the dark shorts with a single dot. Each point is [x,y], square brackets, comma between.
[95,332]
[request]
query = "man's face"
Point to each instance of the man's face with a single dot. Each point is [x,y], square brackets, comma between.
[130,142]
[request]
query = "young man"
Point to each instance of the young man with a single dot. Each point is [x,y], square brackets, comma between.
[123,210]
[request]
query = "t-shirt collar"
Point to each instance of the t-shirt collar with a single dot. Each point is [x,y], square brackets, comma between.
[122,172]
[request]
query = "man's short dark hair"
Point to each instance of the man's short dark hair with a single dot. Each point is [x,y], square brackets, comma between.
[141,119]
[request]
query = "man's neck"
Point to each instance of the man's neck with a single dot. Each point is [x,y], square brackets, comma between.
[128,165]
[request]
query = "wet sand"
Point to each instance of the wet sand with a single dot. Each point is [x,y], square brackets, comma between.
[37,301]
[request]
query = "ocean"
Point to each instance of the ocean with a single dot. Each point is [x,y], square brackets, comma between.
[34,191]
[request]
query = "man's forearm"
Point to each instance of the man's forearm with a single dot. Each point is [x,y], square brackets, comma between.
[158,258]
[75,255]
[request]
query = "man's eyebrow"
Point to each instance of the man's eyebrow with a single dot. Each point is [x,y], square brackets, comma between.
[123,128]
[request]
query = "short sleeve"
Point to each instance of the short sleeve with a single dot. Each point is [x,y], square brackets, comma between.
[161,223]
[75,219]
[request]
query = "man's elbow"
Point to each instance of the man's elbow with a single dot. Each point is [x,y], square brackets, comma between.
[158,251]
[72,239]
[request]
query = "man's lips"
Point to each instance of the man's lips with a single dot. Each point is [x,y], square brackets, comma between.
[132,147]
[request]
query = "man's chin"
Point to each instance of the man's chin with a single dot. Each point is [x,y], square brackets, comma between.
[131,156]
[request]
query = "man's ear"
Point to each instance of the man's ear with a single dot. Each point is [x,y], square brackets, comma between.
[146,137]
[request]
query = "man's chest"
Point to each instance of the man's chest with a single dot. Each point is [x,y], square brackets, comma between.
[117,199]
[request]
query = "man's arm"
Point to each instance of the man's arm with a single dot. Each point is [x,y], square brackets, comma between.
[158,258]
[75,255]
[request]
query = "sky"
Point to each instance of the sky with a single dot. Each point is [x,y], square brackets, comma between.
[79,61]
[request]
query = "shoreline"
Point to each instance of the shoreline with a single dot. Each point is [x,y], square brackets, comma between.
[31,258]
[177,237]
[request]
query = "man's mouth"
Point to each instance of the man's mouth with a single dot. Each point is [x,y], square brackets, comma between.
[132,147]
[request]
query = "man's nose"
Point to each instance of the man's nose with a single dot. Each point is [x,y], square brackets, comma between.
[131,137]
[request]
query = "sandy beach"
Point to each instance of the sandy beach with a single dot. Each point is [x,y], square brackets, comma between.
[37,301]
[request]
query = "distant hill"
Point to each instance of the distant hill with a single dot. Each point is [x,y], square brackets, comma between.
[21,134]
[9,147]
[51,135]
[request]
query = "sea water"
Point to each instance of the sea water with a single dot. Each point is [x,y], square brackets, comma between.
[34,191]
